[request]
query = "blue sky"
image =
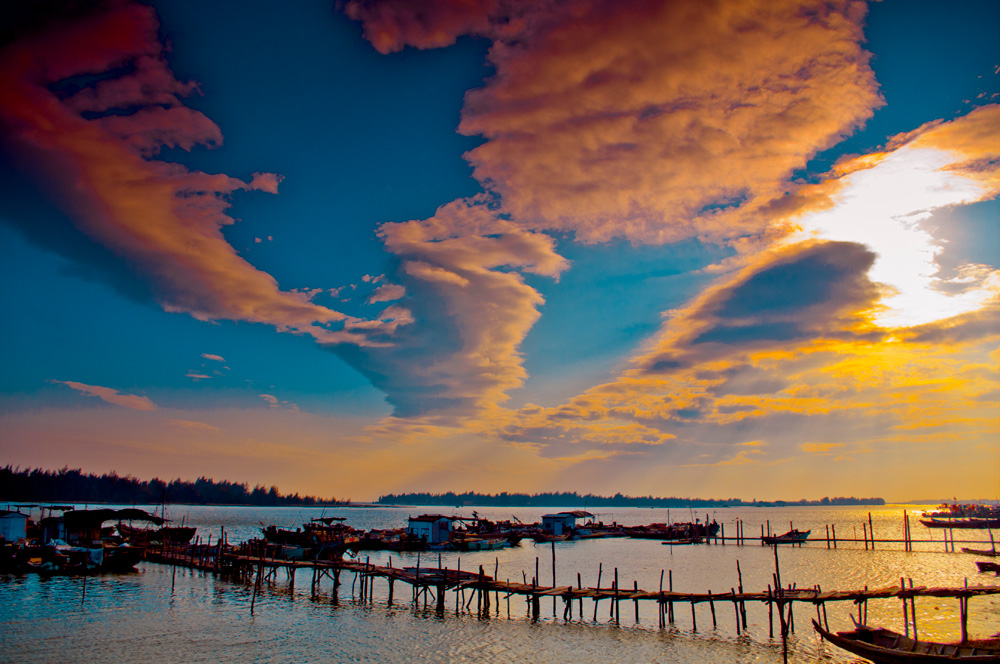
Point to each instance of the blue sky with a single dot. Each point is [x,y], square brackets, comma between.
[359,248]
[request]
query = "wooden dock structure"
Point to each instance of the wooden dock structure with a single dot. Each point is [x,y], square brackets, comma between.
[431,586]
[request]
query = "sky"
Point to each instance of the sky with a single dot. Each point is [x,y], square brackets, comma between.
[720,249]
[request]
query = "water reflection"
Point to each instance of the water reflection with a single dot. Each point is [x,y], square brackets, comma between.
[162,614]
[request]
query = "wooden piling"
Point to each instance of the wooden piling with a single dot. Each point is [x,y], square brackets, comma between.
[635,589]
[670,605]
[963,609]
[600,567]
[615,606]
[736,608]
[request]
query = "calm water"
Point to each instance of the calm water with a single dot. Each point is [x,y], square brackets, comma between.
[156,615]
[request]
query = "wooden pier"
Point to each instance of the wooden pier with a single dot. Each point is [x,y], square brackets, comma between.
[431,585]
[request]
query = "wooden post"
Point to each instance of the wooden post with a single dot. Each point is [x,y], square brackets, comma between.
[963,609]
[906,617]
[659,602]
[736,608]
[694,620]
[711,604]
[723,534]
[614,604]
[579,586]
[635,589]
[553,576]
[833,530]
[913,611]
[670,605]
[791,616]
[600,567]
[871,530]
[256,584]
[479,589]
[743,606]
[828,536]
[864,529]
[770,613]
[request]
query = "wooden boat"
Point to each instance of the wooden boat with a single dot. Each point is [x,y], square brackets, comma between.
[988,566]
[882,645]
[472,543]
[972,522]
[685,540]
[175,534]
[793,536]
[990,553]
[544,537]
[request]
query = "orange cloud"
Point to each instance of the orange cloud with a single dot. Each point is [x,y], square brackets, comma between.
[161,219]
[469,306]
[132,401]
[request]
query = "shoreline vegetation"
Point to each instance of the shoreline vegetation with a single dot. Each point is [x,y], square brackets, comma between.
[74,486]
[569,499]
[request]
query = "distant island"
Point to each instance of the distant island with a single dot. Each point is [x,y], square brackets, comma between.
[74,486]
[574,499]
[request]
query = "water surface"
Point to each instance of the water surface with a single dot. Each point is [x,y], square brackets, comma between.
[174,615]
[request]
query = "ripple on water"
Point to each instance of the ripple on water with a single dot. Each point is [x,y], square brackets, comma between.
[156,615]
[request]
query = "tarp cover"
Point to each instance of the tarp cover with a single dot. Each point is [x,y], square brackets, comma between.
[84,518]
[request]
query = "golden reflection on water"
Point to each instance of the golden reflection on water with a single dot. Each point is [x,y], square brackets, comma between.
[137,617]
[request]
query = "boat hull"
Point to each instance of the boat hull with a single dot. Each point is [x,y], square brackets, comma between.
[888,647]
[972,524]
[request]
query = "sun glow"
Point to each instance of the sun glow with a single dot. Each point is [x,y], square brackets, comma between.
[883,206]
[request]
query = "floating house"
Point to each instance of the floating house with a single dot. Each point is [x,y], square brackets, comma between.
[432,528]
[562,523]
[13,526]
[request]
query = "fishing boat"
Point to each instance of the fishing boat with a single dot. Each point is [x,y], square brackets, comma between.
[682,541]
[473,543]
[793,536]
[174,534]
[989,553]
[546,537]
[883,645]
[674,531]
[980,523]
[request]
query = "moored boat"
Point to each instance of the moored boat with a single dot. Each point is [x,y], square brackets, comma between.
[990,553]
[793,536]
[680,542]
[978,523]
[882,645]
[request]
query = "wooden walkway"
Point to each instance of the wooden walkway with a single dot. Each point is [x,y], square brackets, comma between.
[433,583]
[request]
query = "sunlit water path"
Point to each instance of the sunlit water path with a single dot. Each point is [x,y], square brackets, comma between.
[166,615]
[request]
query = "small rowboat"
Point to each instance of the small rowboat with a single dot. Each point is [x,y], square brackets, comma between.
[885,646]
[791,537]
[990,553]
[684,540]
[972,522]
[988,566]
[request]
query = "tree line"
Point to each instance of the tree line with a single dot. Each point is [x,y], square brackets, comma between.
[573,499]
[75,486]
